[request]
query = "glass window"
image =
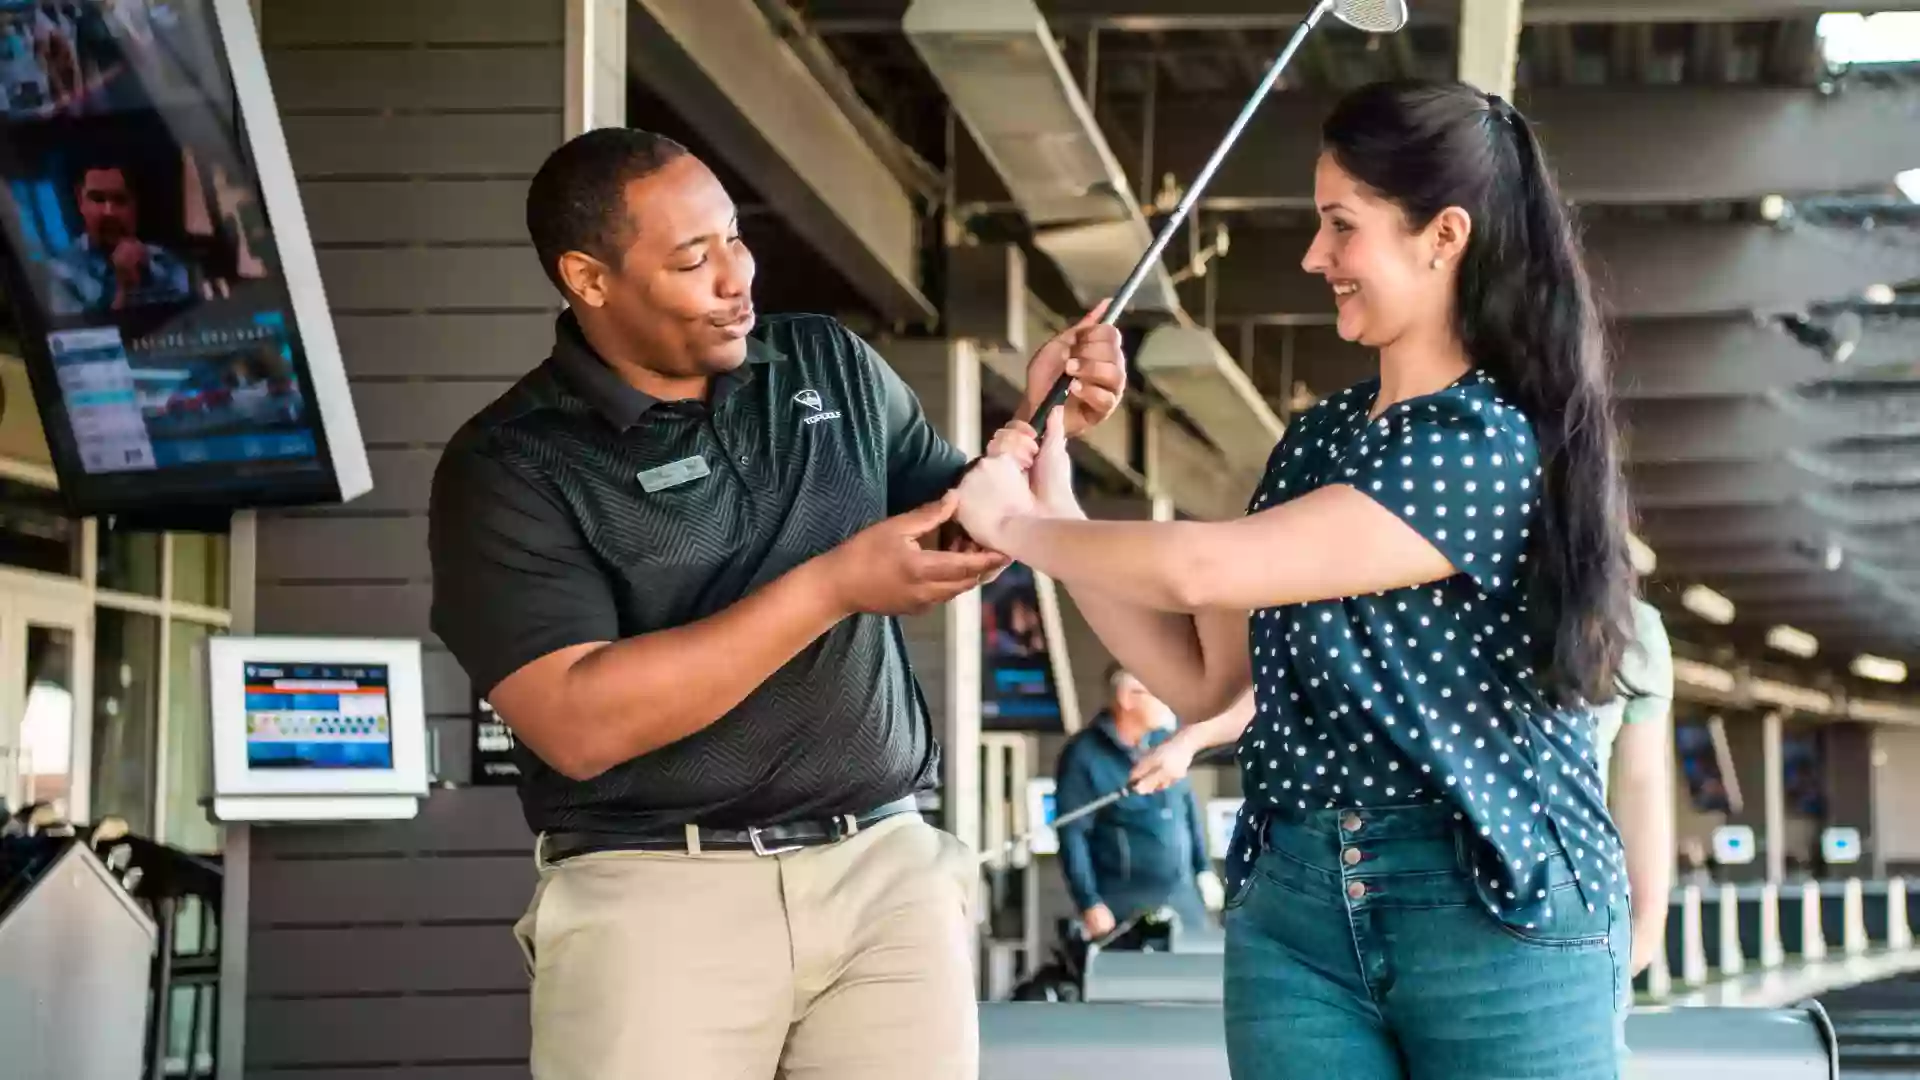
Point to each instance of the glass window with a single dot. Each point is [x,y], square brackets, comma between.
[200,569]
[189,741]
[46,726]
[35,531]
[126,672]
[129,561]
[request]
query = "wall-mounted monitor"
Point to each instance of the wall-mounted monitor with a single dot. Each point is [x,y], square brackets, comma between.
[316,728]
[1026,679]
[157,263]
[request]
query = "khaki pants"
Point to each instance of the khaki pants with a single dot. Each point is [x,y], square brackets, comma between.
[851,961]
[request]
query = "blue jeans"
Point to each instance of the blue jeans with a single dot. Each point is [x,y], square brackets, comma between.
[1358,948]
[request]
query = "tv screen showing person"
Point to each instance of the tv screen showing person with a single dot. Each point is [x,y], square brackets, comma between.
[109,266]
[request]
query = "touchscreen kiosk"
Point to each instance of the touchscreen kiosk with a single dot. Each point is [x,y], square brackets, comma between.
[316,729]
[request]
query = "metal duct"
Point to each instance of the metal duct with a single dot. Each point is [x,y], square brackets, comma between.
[1007,81]
[1191,369]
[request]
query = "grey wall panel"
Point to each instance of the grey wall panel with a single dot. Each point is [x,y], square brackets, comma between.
[412,22]
[445,683]
[421,414]
[382,951]
[453,820]
[391,889]
[402,479]
[374,960]
[447,279]
[341,1031]
[461,345]
[417,211]
[343,548]
[349,610]
[419,80]
[507,144]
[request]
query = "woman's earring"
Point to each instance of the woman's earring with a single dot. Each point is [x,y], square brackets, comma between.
[1436,262]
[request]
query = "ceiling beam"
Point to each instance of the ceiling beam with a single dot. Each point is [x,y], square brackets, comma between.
[880,16]
[719,64]
[1699,485]
[1643,270]
[1717,429]
[1613,144]
[1489,44]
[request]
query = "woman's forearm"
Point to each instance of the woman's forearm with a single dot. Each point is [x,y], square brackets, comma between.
[1642,807]
[1162,649]
[1126,564]
[1222,729]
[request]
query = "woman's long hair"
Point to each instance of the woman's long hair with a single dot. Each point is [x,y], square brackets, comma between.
[1525,311]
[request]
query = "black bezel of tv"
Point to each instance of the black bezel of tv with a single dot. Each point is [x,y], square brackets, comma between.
[174,495]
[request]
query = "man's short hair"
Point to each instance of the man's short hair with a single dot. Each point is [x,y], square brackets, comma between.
[1115,672]
[577,201]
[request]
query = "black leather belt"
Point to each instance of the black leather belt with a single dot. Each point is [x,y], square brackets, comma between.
[761,840]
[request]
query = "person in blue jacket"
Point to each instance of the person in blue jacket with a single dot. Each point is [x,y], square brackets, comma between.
[1145,851]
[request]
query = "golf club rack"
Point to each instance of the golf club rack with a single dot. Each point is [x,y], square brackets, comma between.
[112,930]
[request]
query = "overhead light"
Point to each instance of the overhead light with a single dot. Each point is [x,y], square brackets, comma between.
[1707,604]
[1773,208]
[1794,641]
[1879,669]
[1705,676]
[1833,556]
[1878,294]
[1909,184]
[1888,37]
[1643,558]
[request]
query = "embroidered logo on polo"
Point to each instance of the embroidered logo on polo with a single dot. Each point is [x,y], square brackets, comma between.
[816,408]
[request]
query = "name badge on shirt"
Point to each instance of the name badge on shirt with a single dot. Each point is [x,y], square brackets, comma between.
[674,473]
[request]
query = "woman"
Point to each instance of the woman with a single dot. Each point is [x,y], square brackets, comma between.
[1424,881]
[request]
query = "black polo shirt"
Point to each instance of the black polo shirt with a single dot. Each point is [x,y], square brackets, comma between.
[545,534]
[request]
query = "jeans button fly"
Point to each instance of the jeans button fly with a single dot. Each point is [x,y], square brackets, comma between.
[1356,890]
[1351,856]
[1351,823]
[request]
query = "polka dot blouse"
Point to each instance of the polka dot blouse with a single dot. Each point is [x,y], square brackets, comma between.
[1428,694]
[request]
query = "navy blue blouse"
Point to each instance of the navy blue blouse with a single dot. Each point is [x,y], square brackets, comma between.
[1428,694]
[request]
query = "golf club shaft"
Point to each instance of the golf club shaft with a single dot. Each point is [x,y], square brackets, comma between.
[1007,849]
[1057,396]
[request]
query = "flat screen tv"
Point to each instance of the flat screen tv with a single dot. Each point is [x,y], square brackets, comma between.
[158,265]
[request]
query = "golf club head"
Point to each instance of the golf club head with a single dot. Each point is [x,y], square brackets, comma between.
[1373,16]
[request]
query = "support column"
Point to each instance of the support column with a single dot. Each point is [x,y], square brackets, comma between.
[945,645]
[1849,781]
[1753,743]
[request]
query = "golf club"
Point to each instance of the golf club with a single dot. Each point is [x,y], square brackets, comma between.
[1372,16]
[1210,756]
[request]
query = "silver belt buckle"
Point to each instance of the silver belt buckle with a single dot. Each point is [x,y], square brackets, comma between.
[760,848]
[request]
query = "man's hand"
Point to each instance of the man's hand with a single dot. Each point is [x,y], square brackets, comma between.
[885,570]
[1213,892]
[1098,920]
[1090,352]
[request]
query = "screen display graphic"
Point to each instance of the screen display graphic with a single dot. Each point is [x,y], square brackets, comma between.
[318,716]
[142,259]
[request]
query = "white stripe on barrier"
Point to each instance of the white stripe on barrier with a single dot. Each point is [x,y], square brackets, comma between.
[1813,934]
[1693,943]
[1899,930]
[1772,953]
[1732,960]
[1853,919]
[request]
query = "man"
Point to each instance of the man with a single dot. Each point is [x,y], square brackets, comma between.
[670,558]
[1145,851]
[109,268]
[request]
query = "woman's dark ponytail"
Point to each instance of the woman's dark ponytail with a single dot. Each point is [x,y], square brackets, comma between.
[1526,312]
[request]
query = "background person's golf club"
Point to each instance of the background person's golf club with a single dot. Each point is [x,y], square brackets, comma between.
[1005,851]
[1372,16]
